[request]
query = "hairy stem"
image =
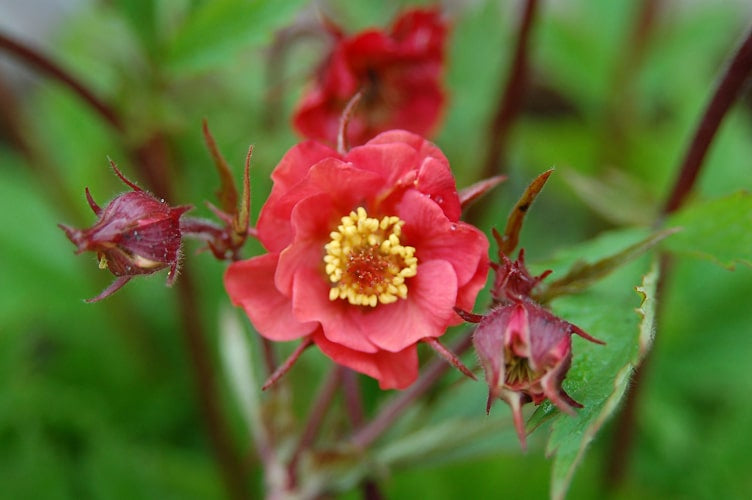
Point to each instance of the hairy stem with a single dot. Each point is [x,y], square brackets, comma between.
[230,463]
[315,417]
[42,63]
[366,435]
[728,89]
[354,405]
[510,103]
[353,400]
[153,159]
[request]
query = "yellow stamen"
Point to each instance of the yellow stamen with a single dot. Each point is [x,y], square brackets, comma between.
[365,261]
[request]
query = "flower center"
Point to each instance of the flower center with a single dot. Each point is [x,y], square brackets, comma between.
[365,261]
[517,369]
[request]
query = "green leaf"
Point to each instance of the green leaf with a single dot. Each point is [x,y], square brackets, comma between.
[582,274]
[599,375]
[450,441]
[219,28]
[719,230]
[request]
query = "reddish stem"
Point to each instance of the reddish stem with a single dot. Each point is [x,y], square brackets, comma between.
[230,463]
[287,364]
[511,100]
[45,65]
[354,405]
[729,87]
[391,412]
[353,401]
[153,160]
[315,418]
[344,121]
[449,357]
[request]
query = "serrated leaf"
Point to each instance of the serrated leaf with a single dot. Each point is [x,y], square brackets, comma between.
[600,374]
[719,230]
[220,27]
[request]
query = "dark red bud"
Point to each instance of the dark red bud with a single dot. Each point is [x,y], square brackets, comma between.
[135,234]
[526,351]
[513,281]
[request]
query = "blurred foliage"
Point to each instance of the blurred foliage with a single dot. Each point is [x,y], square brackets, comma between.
[97,401]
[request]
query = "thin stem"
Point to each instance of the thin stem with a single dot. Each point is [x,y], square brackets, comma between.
[153,160]
[230,462]
[315,417]
[391,412]
[287,364]
[728,89]
[45,65]
[510,103]
[354,405]
[449,357]
[270,358]
[21,134]
[353,400]
[620,109]
[342,143]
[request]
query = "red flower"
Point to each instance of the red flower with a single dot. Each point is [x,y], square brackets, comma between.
[135,234]
[398,73]
[367,254]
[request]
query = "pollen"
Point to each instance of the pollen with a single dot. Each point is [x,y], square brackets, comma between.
[365,261]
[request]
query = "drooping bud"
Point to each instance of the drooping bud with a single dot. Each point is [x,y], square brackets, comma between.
[526,351]
[135,234]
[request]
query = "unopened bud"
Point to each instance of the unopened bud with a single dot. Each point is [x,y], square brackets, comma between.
[135,234]
[526,351]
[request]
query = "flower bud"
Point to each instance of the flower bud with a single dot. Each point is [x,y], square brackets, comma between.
[526,352]
[135,234]
[513,281]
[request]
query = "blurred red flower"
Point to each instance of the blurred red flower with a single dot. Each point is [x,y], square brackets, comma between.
[367,255]
[398,73]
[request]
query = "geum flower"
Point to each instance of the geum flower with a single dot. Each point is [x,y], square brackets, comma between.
[367,255]
[398,74]
[135,234]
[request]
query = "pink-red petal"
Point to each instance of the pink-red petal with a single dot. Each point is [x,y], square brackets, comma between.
[311,303]
[393,370]
[390,161]
[426,311]
[436,180]
[250,284]
[295,164]
[312,220]
[423,147]
[437,238]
